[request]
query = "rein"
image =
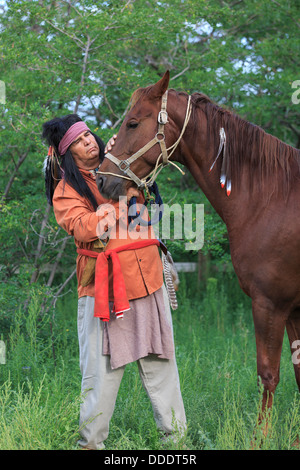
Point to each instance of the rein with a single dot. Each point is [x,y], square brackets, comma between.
[124,165]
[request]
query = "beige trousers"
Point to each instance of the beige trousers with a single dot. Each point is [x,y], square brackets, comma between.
[100,383]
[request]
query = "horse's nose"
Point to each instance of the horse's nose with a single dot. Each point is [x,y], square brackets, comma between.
[100,180]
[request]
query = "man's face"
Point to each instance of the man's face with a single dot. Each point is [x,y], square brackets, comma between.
[85,151]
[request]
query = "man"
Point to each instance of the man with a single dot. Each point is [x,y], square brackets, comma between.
[106,342]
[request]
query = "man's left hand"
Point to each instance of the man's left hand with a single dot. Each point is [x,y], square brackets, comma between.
[110,143]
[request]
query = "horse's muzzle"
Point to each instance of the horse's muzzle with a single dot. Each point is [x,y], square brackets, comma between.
[110,187]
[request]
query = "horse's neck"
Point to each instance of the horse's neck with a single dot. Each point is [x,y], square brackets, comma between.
[198,158]
[193,157]
[209,184]
[266,175]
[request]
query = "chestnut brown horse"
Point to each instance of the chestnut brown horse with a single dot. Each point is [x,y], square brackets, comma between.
[252,180]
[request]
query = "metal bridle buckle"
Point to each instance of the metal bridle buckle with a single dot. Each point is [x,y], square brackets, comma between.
[124,165]
[162,117]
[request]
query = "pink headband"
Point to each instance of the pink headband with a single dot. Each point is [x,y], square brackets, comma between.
[72,133]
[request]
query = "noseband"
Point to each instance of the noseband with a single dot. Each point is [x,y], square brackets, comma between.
[124,165]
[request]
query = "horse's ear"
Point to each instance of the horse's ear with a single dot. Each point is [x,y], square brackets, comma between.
[160,87]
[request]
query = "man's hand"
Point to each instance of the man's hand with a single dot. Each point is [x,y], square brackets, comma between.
[110,143]
[132,192]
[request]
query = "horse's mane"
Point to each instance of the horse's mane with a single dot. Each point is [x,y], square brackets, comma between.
[269,161]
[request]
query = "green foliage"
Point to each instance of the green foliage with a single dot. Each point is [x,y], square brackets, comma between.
[215,350]
[33,420]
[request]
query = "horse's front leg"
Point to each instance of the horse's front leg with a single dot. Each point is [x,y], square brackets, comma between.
[269,331]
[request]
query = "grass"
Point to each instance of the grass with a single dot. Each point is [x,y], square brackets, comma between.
[216,356]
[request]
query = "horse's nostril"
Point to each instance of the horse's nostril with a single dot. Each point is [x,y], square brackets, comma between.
[100,182]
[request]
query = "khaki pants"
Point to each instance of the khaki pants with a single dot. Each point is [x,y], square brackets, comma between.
[100,383]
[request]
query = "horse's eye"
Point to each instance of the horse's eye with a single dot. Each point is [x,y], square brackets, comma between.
[132,124]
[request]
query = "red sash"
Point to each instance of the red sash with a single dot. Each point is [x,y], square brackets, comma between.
[121,303]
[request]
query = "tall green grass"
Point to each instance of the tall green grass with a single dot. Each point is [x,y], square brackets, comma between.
[216,356]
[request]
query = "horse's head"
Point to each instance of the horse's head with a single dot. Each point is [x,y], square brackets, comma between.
[141,139]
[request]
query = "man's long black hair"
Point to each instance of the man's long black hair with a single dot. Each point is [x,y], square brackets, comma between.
[64,167]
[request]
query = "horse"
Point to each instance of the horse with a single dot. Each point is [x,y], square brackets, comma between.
[252,180]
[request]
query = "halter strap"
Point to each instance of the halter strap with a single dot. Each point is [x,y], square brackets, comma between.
[124,165]
[162,120]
